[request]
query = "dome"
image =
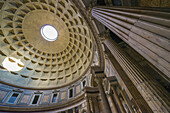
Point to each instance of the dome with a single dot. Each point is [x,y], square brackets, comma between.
[47,64]
[84,56]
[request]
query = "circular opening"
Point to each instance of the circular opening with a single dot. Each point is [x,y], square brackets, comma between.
[49,32]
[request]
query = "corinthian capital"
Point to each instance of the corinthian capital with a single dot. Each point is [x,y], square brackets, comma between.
[92,3]
[104,35]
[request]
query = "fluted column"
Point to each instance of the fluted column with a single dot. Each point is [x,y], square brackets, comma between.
[103,96]
[79,109]
[154,94]
[113,103]
[95,105]
[88,104]
[118,100]
[147,31]
[124,97]
[74,110]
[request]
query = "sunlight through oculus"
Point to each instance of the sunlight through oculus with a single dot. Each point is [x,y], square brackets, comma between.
[49,32]
[12,64]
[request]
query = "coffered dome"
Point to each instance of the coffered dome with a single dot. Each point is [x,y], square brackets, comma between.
[47,64]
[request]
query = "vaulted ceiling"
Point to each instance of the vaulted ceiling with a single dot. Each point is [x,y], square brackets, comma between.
[46,64]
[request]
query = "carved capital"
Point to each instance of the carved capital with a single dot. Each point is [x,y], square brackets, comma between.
[106,56]
[91,17]
[112,80]
[104,35]
[90,7]
[98,74]
[99,80]
[97,71]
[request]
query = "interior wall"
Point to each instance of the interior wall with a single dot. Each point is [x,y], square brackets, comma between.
[154,3]
[146,3]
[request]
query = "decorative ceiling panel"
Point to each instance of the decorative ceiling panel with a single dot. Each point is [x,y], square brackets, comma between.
[46,64]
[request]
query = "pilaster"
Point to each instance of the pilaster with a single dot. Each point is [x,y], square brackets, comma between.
[91,95]
[99,75]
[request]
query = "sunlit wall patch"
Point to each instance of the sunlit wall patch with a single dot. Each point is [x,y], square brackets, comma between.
[12,64]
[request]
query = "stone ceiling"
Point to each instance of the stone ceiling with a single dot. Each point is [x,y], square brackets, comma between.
[46,64]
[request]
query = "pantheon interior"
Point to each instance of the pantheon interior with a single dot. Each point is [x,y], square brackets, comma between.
[85,56]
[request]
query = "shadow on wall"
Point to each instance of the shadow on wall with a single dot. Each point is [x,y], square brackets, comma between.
[136,3]
[154,3]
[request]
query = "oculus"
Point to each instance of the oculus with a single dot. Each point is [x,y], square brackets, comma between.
[49,32]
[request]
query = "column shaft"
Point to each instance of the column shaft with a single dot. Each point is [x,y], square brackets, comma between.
[130,107]
[79,109]
[95,104]
[113,103]
[103,96]
[154,94]
[74,110]
[129,86]
[88,105]
[118,100]
[146,31]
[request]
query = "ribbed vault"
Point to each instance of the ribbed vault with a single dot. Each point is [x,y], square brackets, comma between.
[46,64]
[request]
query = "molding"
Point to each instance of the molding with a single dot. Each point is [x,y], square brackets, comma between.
[54,107]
